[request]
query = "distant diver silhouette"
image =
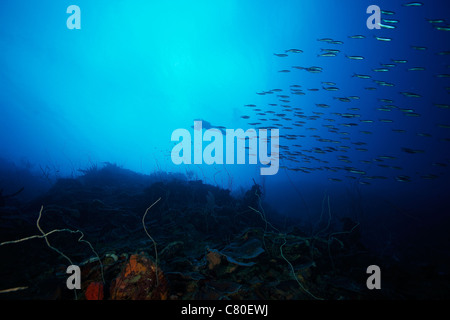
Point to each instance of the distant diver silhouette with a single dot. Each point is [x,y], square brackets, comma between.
[206,125]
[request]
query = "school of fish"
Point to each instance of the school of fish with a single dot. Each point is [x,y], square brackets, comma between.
[344,122]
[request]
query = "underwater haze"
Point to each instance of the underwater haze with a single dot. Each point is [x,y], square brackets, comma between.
[357,113]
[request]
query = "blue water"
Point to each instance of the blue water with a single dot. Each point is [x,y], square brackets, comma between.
[115,90]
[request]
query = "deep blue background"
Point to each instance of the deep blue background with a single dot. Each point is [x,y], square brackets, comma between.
[137,70]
